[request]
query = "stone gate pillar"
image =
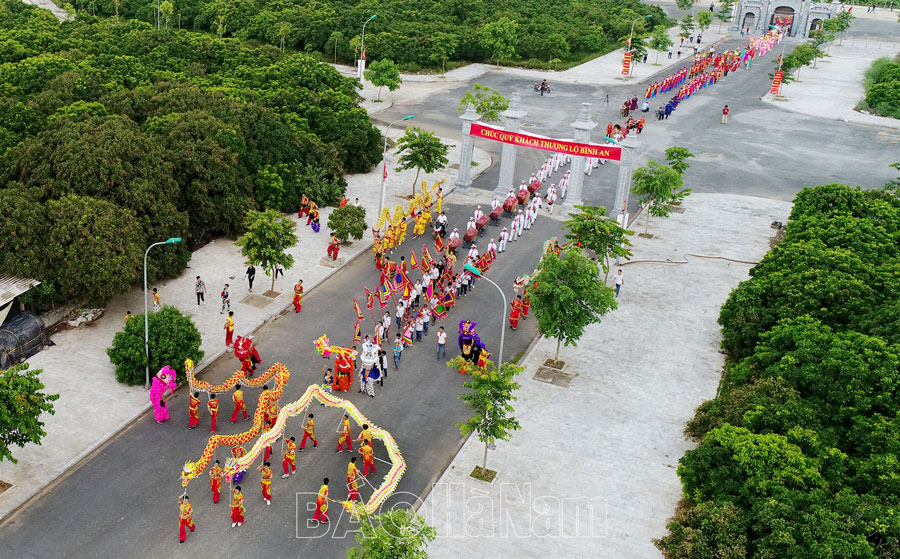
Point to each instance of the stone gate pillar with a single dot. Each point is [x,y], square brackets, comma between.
[466,146]
[623,186]
[583,127]
[512,122]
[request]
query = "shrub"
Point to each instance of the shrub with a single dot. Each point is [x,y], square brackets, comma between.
[173,338]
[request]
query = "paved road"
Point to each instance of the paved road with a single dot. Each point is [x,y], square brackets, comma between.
[762,151]
[123,502]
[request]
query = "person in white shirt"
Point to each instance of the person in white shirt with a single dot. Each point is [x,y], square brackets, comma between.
[564,184]
[420,327]
[492,248]
[619,281]
[478,214]
[386,322]
[514,229]
[356,202]
[426,316]
[471,224]
[521,224]
[495,203]
[528,218]
[400,311]
[504,236]
[441,344]
[523,186]
[416,291]
[511,194]
[454,234]
[473,253]
[551,198]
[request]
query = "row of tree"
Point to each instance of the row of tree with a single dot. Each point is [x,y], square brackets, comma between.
[883,87]
[114,136]
[797,456]
[420,33]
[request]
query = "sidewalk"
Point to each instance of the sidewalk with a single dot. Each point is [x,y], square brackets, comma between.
[834,88]
[592,472]
[93,407]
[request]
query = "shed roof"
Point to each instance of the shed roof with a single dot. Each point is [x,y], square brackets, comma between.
[11,287]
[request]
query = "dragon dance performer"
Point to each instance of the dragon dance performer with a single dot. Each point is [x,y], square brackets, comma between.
[266,482]
[345,435]
[352,480]
[237,507]
[526,303]
[368,454]
[298,296]
[229,329]
[185,518]
[304,207]
[343,364]
[289,463]
[309,432]
[193,410]
[237,453]
[215,481]
[213,407]
[239,405]
[321,503]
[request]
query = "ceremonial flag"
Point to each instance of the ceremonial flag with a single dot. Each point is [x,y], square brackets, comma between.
[359,314]
[430,291]
[398,281]
[776,83]
[322,346]
[426,255]
[438,245]
[413,265]
[357,333]
[407,335]
[384,294]
[626,64]
[370,299]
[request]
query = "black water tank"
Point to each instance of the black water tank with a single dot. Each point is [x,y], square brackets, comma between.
[21,337]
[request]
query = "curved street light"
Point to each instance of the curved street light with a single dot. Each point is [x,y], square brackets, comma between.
[362,47]
[170,241]
[477,273]
[384,162]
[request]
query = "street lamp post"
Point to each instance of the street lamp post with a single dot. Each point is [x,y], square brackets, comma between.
[477,273]
[631,39]
[384,161]
[362,48]
[170,241]
[783,44]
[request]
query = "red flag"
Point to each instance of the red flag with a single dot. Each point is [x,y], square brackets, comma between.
[413,265]
[426,255]
[359,314]
[370,299]
[357,333]
[438,245]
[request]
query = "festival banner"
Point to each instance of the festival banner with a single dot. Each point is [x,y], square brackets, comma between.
[478,130]
[413,264]
[626,64]
[357,333]
[370,300]
[359,314]
[776,83]
[384,294]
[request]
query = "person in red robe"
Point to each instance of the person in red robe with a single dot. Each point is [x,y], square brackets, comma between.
[516,312]
[185,518]
[298,296]
[526,304]
[333,247]
[343,364]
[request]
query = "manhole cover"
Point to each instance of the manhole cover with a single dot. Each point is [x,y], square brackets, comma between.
[257,301]
[709,155]
[4,486]
[545,374]
[562,379]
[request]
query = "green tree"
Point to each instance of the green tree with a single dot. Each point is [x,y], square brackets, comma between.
[384,73]
[488,103]
[421,150]
[500,38]
[93,249]
[21,404]
[660,40]
[704,20]
[395,534]
[724,13]
[569,296]
[268,236]
[843,19]
[166,9]
[443,45]
[348,222]
[173,337]
[677,157]
[656,186]
[596,232]
[686,25]
[490,401]
[335,39]
[684,5]
[269,188]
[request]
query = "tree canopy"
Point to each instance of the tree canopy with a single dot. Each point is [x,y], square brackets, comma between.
[124,136]
[21,405]
[797,454]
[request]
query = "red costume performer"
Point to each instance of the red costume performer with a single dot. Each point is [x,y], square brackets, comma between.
[237,507]
[193,410]
[266,482]
[352,484]
[289,462]
[322,504]
[515,313]
[309,433]
[185,519]
[333,247]
[368,457]
[526,304]
[213,407]
[215,481]
[245,350]
[239,405]
[298,296]
[304,206]
[343,378]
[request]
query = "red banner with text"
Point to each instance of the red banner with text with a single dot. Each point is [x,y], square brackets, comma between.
[613,153]
[626,64]
[776,83]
